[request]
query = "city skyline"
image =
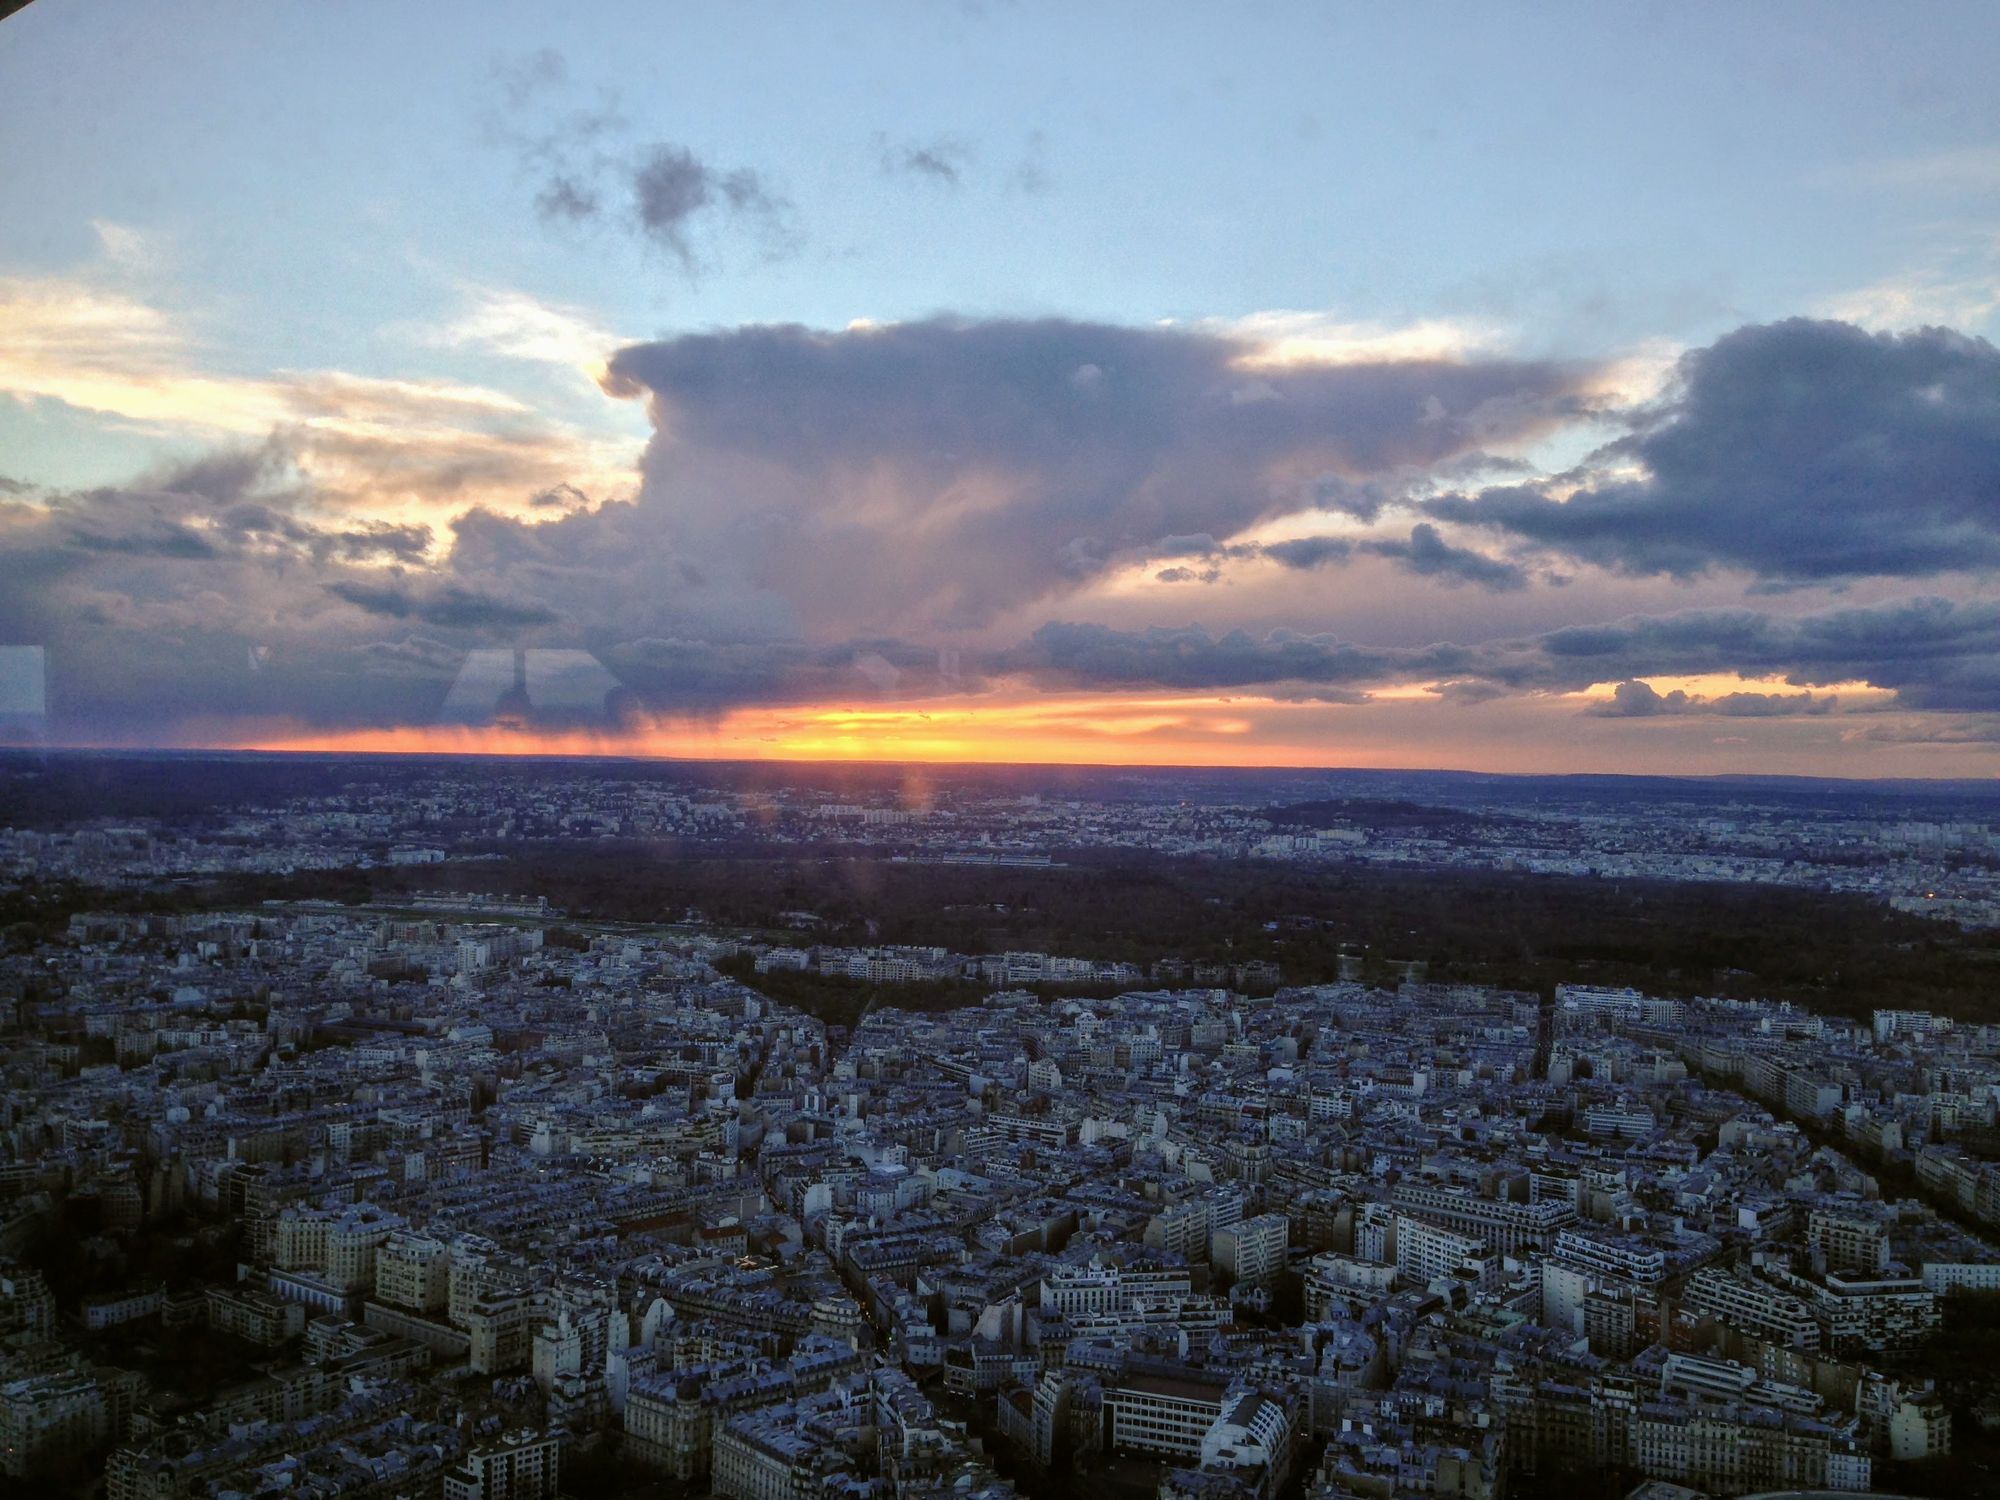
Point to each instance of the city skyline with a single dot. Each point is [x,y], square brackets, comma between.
[1540,389]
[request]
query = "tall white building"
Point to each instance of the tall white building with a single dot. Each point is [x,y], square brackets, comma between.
[521,1466]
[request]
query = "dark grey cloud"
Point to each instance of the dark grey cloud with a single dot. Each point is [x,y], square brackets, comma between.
[1798,451]
[416,653]
[942,161]
[450,605]
[1366,499]
[561,497]
[1641,700]
[1210,555]
[1934,654]
[1309,552]
[405,543]
[1191,658]
[1770,705]
[586,167]
[162,538]
[196,594]
[1468,692]
[673,189]
[693,674]
[251,523]
[1427,554]
[232,504]
[263,470]
[1196,544]
[940,472]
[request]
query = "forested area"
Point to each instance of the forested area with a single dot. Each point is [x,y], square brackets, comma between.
[1840,953]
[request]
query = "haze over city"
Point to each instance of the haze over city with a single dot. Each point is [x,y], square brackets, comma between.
[1525,388]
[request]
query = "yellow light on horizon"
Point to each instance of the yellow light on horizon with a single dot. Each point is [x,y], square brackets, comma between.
[1069,728]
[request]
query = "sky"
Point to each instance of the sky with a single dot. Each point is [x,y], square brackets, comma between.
[1597,387]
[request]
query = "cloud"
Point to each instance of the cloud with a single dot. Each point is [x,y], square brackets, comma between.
[694,674]
[1099,656]
[522,78]
[586,167]
[1301,554]
[1934,654]
[164,539]
[224,506]
[449,606]
[153,598]
[516,326]
[127,248]
[414,653]
[197,594]
[934,474]
[1956,285]
[822,511]
[941,161]
[1030,176]
[1308,552]
[1799,451]
[672,190]
[1196,544]
[1637,699]
[564,199]
[1921,729]
[1287,336]
[1429,555]
[366,441]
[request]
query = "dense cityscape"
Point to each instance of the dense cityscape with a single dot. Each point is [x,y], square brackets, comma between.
[445,1191]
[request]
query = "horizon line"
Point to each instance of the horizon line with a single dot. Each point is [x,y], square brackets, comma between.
[627,758]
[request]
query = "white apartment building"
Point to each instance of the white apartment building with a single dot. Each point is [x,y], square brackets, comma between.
[1426,1253]
[521,1466]
[1252,1250]
[1162,1414]
[1073,1291]
[48,1416]
[1622,1258]
[1503,1225]
[1752,1306]
[413,1271]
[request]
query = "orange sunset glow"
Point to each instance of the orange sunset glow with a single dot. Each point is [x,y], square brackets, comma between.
[1399,726]
[1203,730]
